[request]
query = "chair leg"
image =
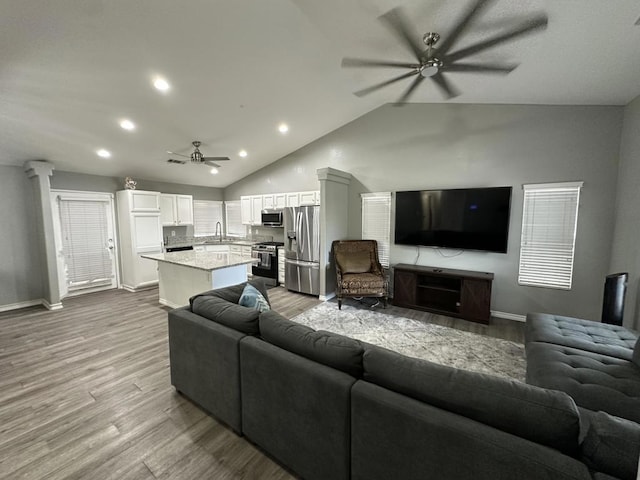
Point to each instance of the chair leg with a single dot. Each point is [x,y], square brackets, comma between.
[339,303]
[385,302]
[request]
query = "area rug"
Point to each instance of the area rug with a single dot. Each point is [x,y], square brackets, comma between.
[420,339]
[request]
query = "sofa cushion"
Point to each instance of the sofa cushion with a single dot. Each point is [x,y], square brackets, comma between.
[252,298]
[232,315]
[612,445]
[612,340]
[354,262]
[234,292]
[543,416]
[337,351]
[636,354]
[594,381]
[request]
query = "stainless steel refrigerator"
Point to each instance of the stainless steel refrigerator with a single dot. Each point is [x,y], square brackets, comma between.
[302,249]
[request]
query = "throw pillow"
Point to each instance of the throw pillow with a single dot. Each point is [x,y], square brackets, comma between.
[252,298]
[355,262]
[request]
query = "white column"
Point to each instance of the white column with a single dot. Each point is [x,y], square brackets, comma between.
[39,173]
[334,222]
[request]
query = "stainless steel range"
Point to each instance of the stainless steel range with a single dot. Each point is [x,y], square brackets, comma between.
[267,266]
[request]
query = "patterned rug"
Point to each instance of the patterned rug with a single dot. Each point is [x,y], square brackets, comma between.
[419,339]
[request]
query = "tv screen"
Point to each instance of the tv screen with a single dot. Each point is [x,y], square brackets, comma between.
[465,218]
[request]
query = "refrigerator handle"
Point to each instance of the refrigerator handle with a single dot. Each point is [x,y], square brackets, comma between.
[299,235]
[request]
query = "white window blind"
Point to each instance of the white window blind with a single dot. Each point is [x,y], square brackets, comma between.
[376,222]
[206,213]
[85,242]
[549,220]
[235,228]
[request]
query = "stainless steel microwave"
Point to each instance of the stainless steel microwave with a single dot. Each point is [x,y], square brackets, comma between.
[272,218]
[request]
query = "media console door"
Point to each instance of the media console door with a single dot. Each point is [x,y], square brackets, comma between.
[456,293]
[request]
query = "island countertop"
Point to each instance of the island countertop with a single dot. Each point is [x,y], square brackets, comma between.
[208,261]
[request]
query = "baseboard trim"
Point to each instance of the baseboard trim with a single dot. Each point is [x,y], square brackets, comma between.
[19,305]
[51,306]
[509,316]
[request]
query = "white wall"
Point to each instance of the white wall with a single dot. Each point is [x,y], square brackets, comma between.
[422,146]
[626,242]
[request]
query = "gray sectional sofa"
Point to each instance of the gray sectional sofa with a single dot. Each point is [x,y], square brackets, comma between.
[330,407]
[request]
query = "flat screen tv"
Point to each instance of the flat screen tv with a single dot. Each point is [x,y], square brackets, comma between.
[463,218]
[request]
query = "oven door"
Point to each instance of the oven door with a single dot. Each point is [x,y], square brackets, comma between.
[267,265]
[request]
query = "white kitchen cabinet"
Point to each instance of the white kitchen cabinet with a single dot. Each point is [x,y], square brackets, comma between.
[268,201]
[176,209]
[244,252]
[279,200]
[251,209]
[281,268]
[140,232]
[293,199]
[309,198]
[217,248]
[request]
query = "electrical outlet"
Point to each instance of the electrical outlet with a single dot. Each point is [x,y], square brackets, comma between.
[173,233]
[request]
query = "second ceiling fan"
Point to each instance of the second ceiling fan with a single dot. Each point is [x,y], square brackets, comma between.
[438,58]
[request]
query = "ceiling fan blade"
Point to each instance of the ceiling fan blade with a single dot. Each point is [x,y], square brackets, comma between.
[211,163]
[364,62]
[529,26]
[397,22]
[478,68]
[179,154]
[215,159]
[450,39]
[444,85]
[179,162]
[407,93]
[373,88]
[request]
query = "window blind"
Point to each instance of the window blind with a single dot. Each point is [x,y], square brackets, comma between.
[85,239]
[206,213]
[376,222]
[235,228]
[547,245]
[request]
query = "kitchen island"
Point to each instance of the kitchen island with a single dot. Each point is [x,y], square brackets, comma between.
[184,274]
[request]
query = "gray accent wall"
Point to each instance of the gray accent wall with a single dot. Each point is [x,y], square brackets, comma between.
[626,240]
[21,272]
[432,146]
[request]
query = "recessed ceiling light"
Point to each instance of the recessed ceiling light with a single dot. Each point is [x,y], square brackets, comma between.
[283,128]
[161,84]
[127,124]
[242,153]
[103,153]
[214,171]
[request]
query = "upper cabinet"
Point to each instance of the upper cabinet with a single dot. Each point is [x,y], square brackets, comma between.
[142,201]
[176,209]
[251,206]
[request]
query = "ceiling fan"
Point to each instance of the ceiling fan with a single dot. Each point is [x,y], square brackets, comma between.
[433,62]
[197,157]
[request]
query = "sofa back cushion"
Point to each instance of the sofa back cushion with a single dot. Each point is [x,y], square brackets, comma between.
[543,416]
[612,445]
[636,354]
[336,351]
[232,315]
[234,292]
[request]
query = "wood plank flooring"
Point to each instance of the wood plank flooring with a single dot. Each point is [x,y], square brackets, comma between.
[85,393]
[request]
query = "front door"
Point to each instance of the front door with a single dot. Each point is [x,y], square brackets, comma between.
[85,241]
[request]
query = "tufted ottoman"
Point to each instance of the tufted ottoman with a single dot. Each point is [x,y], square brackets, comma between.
[594,381]
[606,339]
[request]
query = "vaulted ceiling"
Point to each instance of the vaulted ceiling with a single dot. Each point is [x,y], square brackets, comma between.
[71,70]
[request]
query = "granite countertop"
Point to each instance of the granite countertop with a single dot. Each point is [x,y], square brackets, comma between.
[208,261]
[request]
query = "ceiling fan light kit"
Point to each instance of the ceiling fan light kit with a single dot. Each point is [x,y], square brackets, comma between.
[433,63]
[198,158]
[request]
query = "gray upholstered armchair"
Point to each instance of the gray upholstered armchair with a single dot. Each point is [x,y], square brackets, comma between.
[358,270]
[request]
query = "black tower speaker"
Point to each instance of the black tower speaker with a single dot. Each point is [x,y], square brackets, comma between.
[615,287]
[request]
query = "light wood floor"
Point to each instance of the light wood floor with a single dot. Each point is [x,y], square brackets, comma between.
[85,393]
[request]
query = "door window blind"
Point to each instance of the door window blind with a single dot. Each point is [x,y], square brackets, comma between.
[547,245]
[206,213]
[233,211]
[85,240]
[376,222]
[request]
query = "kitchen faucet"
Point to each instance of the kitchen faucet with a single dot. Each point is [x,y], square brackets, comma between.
[216,232]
